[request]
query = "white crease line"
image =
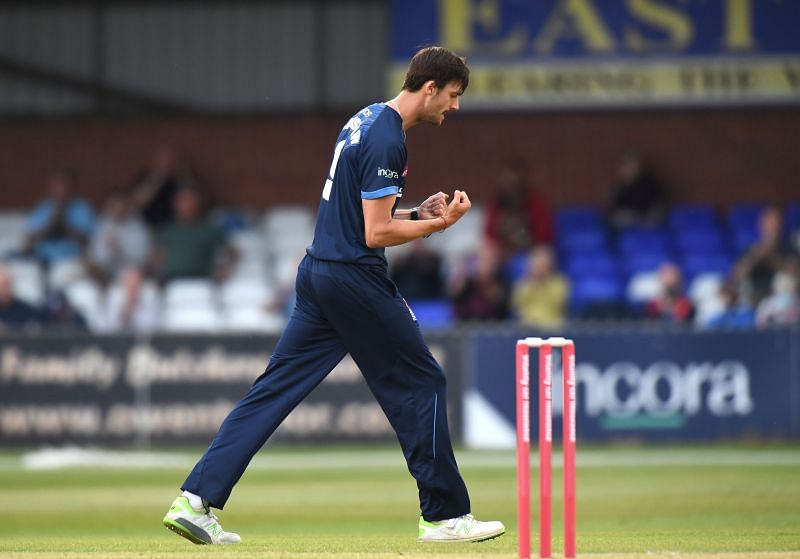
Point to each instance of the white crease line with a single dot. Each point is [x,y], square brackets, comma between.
[380,459]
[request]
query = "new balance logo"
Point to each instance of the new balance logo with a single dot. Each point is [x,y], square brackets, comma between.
[388,173]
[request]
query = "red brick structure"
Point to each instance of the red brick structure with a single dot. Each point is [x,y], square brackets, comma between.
[717,156]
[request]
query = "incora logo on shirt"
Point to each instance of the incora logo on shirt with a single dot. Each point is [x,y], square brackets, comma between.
[388,173]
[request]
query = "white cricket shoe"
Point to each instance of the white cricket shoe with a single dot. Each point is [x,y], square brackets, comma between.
[200,527]
[461,529]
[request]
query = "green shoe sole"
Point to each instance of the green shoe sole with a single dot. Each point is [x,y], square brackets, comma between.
[477,539]
[188,531]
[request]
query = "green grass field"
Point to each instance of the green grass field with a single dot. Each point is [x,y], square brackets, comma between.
[632,502]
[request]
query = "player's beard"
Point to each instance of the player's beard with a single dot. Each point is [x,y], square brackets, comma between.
[434,116]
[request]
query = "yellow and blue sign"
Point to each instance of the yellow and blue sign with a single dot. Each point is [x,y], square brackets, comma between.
[554,53]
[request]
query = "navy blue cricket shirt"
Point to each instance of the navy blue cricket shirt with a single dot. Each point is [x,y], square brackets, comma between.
[369,162]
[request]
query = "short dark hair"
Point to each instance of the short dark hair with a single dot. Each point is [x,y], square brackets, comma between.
[438,64]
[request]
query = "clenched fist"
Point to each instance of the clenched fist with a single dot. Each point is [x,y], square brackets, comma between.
[435,206]
[459,205]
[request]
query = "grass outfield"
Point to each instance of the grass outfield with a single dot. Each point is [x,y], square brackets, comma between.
[688,502]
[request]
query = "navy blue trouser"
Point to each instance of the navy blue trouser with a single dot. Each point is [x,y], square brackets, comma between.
[346,308]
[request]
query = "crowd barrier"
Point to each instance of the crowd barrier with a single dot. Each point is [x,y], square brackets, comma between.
[633,384]
[175,390]
[649,385]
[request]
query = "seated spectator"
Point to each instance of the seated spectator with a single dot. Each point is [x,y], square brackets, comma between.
[190,246]
[59,314]
[638,198]
[418,273]
[518,217]
[671,305]
[155,187]
[766,257]
[540,297]
[484,294]
[782,306]
[14,313]
[736,313]
[60,226]
[120,240]
[132,305]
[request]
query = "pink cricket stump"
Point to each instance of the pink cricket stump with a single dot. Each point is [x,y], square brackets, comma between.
[545,448]
[523,449]
[568,429]
[545,379]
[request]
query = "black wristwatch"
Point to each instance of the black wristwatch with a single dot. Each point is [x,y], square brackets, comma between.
[415,214]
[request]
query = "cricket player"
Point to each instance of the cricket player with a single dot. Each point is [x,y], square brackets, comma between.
[346,303]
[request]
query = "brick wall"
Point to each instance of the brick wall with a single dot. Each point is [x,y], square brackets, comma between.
[717,156]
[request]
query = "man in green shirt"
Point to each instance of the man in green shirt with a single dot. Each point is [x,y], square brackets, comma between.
[189,246]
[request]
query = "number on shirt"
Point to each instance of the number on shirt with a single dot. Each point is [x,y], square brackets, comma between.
[326,192]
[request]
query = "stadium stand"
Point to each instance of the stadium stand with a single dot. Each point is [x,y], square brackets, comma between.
[602,269]
[743,225]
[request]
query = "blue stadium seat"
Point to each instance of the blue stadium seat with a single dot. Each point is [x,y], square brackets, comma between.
[692,216]
[433,313]
[582,240]
[517,266]
[646,261]
[743,239]
[696,264]
[597,264]
[700,240]
[594,289]
[743,225]
[633,240]
[576,218]
[745,216]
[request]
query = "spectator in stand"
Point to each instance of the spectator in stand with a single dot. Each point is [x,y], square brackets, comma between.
[120,240]
[671,305]
[638,198]
[132,304]
[190,246]
[418,273]
[14,313]
[540,298]
[756,269]
[518,217]
[61,315]
[60,226]
[156,186]
[782,306]
[484,294]
[736,313]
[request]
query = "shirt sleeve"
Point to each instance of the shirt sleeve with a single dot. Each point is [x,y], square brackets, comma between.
[382,169]
[39,217]
[81,216]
